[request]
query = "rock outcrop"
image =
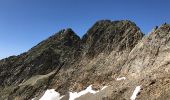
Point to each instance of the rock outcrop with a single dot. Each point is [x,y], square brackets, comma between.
[109,50]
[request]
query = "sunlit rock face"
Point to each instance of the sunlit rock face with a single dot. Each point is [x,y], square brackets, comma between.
[112,53]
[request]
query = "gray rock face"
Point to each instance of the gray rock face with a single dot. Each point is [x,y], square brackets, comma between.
[148,65]
[110,49]
[41,59]
[107,36]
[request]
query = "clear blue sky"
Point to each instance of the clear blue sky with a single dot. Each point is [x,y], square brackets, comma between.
[24,23]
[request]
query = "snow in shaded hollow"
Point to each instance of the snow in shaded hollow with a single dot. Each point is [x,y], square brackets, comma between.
[135,93]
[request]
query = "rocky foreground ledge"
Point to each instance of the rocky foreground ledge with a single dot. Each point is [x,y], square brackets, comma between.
[112,53]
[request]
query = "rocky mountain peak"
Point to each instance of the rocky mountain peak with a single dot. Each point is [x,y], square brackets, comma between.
[68,32]
[108,35]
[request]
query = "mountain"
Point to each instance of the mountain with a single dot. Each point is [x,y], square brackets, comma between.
[115,54]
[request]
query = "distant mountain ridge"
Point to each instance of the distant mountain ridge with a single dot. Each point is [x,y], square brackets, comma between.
[109,50]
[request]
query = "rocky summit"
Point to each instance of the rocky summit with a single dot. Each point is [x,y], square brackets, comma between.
[112,54]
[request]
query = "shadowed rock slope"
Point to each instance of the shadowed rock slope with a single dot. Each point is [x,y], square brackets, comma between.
[109,49]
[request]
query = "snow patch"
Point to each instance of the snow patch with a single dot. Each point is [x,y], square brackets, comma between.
[135,93]
[87,90]
[104,87]
[53,95]
[122,78]
[50,95]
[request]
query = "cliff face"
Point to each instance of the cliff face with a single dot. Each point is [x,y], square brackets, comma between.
[109,50]
[148,65]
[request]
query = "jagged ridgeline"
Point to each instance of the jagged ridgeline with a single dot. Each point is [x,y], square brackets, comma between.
[108,51]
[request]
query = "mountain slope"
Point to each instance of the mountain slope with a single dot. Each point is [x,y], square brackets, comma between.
[109,50]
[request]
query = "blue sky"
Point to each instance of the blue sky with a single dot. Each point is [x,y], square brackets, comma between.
[24,23]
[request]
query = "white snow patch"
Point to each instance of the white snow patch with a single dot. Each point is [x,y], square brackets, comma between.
[87,90]
[50,95]
[104,87]
[136,91]
[122,78]
[33,99]
[53,95]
